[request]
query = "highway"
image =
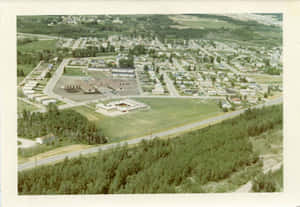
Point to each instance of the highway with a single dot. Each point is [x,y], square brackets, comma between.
[212,120]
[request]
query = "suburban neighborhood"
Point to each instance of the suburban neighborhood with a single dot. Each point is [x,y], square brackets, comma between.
[118,85]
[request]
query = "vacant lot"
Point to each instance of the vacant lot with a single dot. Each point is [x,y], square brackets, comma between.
[165,113]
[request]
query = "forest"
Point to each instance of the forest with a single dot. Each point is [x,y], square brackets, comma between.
[161,165]
[65,124]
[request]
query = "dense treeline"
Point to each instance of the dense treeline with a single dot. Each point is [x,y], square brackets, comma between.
[157,166]
[63,124]
[93,51]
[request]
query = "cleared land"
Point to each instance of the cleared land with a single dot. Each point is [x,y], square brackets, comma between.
[44,151]
[36,46]
[163,114]
[193,22]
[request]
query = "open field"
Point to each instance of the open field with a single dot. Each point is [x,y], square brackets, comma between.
[163,114]
[194,22]
[36,46]
[23,105]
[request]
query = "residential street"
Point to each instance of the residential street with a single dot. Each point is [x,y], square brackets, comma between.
[170,85]
[52,82]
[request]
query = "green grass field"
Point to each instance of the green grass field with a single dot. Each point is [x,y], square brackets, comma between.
[74,72]
[194,22]
[23,105]
[164,114]
[38,46]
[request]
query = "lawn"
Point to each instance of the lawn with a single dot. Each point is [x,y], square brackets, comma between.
[23,105]
[74,72]
[165,113]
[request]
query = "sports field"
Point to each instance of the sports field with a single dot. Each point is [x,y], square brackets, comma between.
[165,113]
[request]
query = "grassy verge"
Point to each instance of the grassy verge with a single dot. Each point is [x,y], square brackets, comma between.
[43,151]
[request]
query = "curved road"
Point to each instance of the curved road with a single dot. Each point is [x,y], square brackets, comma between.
[60,157]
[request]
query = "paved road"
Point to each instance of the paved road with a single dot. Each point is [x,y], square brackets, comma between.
[138,140]
[138,83]
[170,85]
[52,82]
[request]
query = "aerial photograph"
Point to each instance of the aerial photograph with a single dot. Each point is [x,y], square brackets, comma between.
[150,103]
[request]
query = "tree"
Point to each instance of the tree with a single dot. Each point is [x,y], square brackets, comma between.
[213,79]
[146,68]
[48,75]
[161,78]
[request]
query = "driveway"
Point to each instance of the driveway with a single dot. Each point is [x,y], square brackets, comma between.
[26,143]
